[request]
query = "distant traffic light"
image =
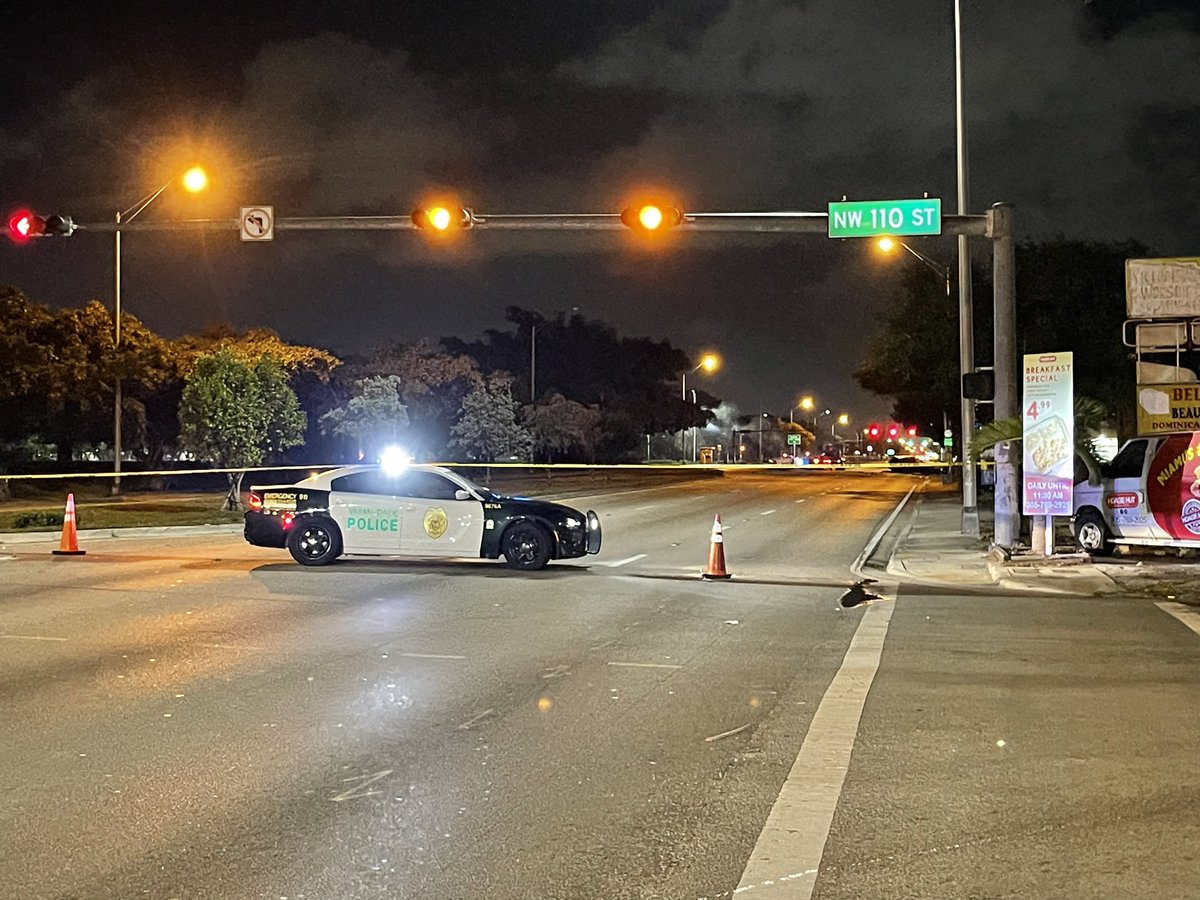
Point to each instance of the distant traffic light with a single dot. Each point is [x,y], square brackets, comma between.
[23,225]
[873,430]
[442,218]
[893,431]
[649,218]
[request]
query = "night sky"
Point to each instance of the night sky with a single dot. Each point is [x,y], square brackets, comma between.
[1086,116]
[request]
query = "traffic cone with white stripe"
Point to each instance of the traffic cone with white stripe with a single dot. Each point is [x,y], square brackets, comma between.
[716,554]
[69,545]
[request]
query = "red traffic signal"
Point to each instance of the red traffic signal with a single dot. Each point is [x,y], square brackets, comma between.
[893,431]
[23,225]
[873,431]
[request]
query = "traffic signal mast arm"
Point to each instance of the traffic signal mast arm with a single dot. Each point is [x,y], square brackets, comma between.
[714,222]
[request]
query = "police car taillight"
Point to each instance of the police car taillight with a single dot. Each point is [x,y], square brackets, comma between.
[255,501]
[286,520]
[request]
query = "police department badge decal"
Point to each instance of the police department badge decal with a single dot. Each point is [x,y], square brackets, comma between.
[435,522]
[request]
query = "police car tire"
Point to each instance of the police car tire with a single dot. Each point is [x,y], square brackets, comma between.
[526,546]
[1093,522]
[313,527]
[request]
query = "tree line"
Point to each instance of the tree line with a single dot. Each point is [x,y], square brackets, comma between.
[247,398]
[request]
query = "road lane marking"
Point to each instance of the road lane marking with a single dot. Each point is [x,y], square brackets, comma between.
[615,564]
[1184,613]
[856,566]
[730,733]
[433,655]
[32,637]
[232,647]
[802,500]
[471,721]
[643,508]
[635,665]
[357,791]
[769,512]
[787,854]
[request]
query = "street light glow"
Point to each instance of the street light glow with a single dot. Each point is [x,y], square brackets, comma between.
[843,419]
[806,404]
[710,362]
[651,217]
[195,179]
[886,244]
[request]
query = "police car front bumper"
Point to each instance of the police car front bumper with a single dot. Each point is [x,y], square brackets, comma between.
[593,532]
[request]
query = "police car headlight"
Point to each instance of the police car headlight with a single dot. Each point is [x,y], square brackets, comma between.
[572,522]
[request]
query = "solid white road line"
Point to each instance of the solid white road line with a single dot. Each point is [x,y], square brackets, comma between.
[1188,615]
[787,855]
[616,564]
[632,665]
[769,512]
[31,637]
[432,656]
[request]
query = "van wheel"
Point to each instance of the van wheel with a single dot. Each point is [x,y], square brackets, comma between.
[314,541]
[1092,534]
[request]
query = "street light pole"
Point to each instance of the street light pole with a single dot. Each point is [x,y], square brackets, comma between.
[194,180]
[533,363]
[966,335]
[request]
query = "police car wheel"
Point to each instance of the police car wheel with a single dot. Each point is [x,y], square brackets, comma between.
[526,546]
[315,542]
[1092,534]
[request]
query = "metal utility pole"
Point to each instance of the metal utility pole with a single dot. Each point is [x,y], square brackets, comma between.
[1006,403]
[532,363]
[117,401]
[966,333]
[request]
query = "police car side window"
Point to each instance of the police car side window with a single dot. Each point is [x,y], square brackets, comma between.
[428,486]
[1128,463]
[365,483]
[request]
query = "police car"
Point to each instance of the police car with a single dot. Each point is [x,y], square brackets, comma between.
[418,510]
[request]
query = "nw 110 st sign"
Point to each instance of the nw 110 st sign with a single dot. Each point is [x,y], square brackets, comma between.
[876,218]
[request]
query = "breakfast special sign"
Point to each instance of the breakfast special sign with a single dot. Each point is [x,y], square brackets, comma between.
[1048,434]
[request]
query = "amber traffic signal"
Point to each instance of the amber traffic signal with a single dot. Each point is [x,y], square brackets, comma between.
[649,218]
[441,219]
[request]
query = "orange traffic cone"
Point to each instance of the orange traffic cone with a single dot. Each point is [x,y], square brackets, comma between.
[69,545]
[716,554]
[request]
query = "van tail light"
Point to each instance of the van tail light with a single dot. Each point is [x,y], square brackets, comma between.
[255,501]
[286,520]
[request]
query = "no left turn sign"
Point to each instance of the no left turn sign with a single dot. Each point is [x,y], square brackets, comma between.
[258,223]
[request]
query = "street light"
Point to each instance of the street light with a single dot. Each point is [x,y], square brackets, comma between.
[709,363]
[888,244]
[193,181]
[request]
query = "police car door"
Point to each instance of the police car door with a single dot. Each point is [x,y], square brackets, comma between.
[435,523]
[366,509]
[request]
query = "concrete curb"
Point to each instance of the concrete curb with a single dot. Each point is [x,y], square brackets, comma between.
[147,531]
[1076,581]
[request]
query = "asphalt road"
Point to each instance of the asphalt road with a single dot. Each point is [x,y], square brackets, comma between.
[200,718]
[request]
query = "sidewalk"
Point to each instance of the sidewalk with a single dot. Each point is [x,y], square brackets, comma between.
[932,550]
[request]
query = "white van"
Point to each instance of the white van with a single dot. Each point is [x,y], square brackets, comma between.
[1148,495]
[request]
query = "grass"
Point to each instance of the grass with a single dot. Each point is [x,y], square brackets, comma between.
[128,512]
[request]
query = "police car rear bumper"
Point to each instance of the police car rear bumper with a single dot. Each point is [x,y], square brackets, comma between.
[264,530]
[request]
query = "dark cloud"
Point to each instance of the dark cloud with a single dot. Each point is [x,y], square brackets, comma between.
[1081,114]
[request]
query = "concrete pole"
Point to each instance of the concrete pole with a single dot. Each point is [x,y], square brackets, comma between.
[117,400]
[1006,404]
[966,328]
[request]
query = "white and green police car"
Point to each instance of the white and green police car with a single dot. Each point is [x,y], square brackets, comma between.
[419,511]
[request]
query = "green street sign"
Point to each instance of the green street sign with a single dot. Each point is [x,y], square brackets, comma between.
[876,218]
[793,439]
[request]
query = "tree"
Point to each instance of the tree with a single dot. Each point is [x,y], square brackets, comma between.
[235,415]
[561,427]
[372,417]
[488,428]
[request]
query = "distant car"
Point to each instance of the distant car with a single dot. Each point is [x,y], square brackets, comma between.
[420,511]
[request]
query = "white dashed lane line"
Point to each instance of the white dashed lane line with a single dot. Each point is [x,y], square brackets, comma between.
[617,563]
[769,512]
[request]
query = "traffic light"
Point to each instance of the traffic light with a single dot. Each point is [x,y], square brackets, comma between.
[873,430]
[651,218]
[893,432]
[442,219]
[23,225]
[979,385]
